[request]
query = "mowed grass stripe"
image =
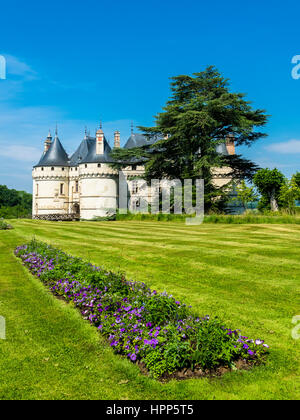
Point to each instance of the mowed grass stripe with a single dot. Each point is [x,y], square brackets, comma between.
[62,231]
[206,253]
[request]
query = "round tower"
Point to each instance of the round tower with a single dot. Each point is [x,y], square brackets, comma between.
[51,180]
[98,180]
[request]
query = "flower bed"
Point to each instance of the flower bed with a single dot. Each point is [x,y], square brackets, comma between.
[156,331]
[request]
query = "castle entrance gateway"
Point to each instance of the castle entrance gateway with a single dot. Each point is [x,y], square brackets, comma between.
[76,209]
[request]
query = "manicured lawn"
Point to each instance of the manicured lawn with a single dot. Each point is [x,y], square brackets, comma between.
[246,274]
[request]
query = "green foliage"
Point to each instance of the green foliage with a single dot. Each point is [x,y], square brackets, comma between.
[245,194]
[167,359]
[296,178]
[289,193]
[14,204]
[4,225]
[268,183]
[249,217]
[160,309]
[160,217]
[214,346]
[267,217]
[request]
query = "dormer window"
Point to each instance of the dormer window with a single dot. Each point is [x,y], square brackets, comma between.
[134,167]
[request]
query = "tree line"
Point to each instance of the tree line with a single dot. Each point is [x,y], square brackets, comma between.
[272,190]
[14,204]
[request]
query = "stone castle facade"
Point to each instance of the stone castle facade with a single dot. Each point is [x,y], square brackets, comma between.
[85,186]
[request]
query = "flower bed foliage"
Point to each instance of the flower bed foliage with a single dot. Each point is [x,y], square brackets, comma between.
[156,330]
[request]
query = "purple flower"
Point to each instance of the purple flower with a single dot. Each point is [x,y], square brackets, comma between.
[266,346]
[133,357]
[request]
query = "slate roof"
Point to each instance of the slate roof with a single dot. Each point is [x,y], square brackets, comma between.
[55,156]
[138,140]
[92,156]
[82,151]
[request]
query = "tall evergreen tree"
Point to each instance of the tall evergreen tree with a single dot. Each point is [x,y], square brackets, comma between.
[199,116]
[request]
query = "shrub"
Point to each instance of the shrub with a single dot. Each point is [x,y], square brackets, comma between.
[4,225]
[214,346]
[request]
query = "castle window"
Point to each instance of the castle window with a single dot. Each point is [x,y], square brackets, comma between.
[37,190]
[42,169]
[61,189]
[134,168]
[52,169]
[86,166]
[135,187]
[75,169]
[62,169]
[99,165]
[77,186]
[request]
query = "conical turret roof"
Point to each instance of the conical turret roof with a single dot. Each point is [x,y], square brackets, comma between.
[55,156]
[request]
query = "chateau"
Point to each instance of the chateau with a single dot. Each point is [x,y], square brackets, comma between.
[85,186]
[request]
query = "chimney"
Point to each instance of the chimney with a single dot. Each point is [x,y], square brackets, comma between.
[100,142]
[47,143]
[230,144]
[117,140]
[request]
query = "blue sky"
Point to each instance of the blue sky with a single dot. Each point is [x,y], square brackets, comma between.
[74,62]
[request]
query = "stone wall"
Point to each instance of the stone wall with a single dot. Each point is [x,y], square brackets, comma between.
[57,217]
